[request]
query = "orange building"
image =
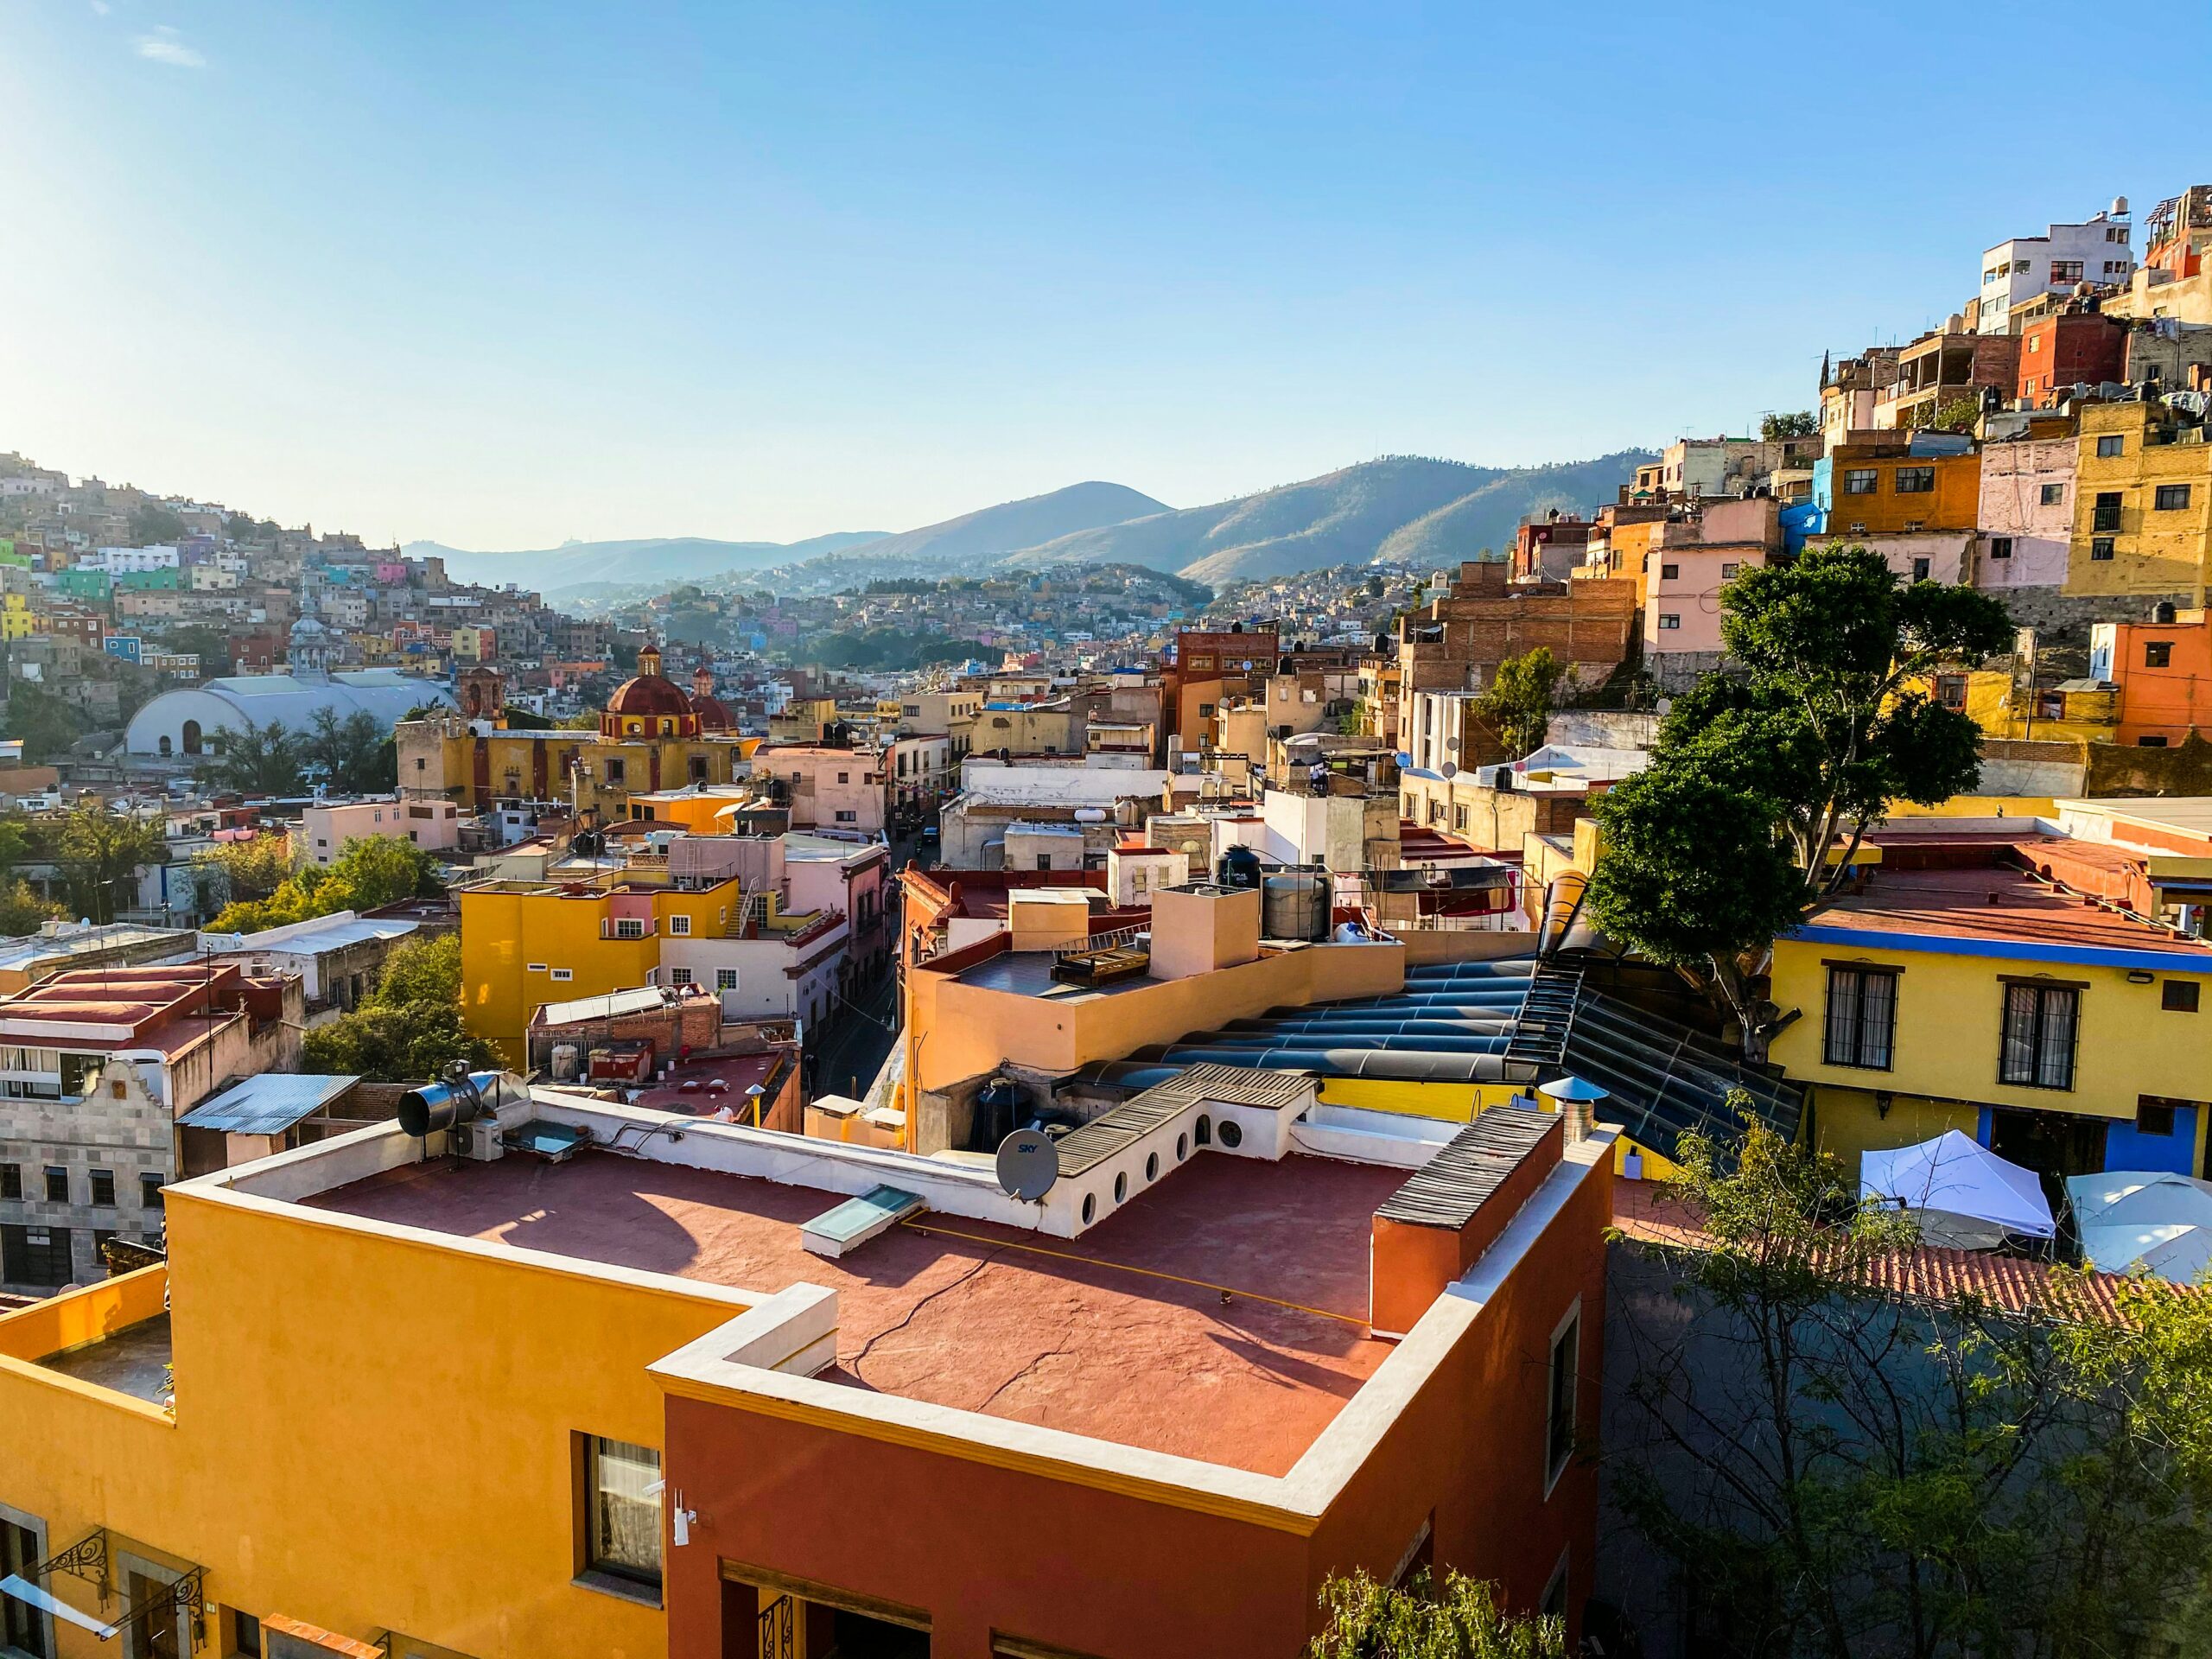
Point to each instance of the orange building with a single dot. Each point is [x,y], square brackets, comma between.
[1207,663]
[1881,488]
[2164,671]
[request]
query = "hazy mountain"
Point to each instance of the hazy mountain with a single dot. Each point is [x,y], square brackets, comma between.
[1405,508]
[658,560]
[996,531]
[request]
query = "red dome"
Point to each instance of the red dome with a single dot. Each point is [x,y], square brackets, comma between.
[649,694]
[713,715]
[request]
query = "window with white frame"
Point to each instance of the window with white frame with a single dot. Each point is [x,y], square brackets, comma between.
[679,924]
[1560,1395]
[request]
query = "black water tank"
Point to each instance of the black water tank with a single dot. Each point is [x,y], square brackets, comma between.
[1239,867]
[998,1105]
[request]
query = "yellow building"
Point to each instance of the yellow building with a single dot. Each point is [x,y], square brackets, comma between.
[336,1410]
[1958,991]
[2084,710]
[18,619]
[2143,506]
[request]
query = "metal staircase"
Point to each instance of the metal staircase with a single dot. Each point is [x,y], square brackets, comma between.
[1547,1014]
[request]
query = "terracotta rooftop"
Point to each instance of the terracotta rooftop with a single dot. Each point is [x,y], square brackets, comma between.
[2001,904]
[1221,1315]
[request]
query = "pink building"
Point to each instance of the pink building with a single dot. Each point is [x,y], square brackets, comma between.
[1681,606]
[830,788]
[2026,514]
[435,826]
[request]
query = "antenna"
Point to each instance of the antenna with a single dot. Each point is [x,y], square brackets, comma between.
[1028,1165]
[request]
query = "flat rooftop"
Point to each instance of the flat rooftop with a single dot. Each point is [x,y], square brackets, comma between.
[1221,1315]
[2004,906]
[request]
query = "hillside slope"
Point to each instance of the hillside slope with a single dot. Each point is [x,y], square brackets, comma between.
[1421,511]
[652,559]
[992,532]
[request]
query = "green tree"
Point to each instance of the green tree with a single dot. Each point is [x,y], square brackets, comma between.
[1368,1620]
[1800,423]
[46,723]
[99,852]
[21,910]
[347,754]
[152,523]
[369,871]
[410,1029]
[251,869]
[1834,1468]
[259,759]
[1518,705]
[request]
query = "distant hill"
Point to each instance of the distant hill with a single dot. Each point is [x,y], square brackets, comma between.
[1406,509]
[993,532]
[658,560]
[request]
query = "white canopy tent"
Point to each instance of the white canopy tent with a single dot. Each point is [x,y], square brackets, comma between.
[2162,1220]
[1964,1195]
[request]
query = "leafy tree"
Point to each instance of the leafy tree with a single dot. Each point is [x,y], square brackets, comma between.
[522,720]
[21,910]
[348,754]
[258,759]
[1834,1468]
[1799,424]
[1518,705]
[251,869]
[152,523]
[410,1029]
[46,723]
[99,852]
[1368,1620]
[369,871]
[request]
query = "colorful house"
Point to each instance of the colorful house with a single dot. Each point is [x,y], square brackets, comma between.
[2143,506]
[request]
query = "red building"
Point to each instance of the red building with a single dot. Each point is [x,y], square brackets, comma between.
[2072,348]
[1547,548]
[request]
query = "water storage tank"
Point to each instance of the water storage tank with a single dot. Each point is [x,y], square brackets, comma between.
[1239,867]
[564,1063]
[1294,904]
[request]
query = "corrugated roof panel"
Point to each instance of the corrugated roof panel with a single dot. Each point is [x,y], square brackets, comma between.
[1449,1188]
[267,1104]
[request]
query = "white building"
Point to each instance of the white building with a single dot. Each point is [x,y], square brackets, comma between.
[185,722]
[123,561]
[2027,267]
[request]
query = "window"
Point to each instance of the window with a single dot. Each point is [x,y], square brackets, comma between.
[1206,711]
[2150,742]
[11,1180]
[1559,1424]
[2178,996]
[2110,444]
[2000,547]
[2170,498]
[725,979]
[629,927]
[848,817]
[1921,569]
[246,1638]
[621,1520]
[1951,690]
[1915,481]
[679,924]
[2066,270]
[2053,495]
[1669,572]
[57,1184]
[22,1627]
[1670,619]
[2158,653]
[679,975]
[562,976]
[844,776]
[150,1192]
[1862,1017]
[103,1189]
[2154,1114]
[1728,572]
[1860,480]
[34,1255]
[2037,1050]
[2101,547]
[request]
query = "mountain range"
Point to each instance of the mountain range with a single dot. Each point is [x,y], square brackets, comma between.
[1401,509]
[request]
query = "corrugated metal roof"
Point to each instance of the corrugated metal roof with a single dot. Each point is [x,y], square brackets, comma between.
[1449,1188]
[267,1104]
[612,1005]
[1111,1132]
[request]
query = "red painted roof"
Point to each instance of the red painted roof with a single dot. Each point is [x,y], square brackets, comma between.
[1996,902]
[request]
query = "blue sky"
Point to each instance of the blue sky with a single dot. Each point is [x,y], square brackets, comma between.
[499,276]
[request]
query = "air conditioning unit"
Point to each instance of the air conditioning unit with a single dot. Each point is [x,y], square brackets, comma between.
[480,1140]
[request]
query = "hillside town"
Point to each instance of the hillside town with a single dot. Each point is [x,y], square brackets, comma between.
[1167,1086]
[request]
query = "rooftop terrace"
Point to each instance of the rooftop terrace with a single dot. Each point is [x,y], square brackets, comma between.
[1220,1315]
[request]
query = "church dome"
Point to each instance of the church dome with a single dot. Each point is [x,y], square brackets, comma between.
[647,705]
[649,694]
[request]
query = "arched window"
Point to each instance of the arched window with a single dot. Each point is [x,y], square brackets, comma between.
[163,747]
[191,738]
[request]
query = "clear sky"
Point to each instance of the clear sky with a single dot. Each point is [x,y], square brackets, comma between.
[502,275]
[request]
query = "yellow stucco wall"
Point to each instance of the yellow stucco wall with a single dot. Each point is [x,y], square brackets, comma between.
[1949,1015]
[373,1430]
[2153,551]
[503,933]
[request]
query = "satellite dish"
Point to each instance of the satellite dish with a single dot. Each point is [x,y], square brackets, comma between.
[1665,706]
[1449,769]
[1028,1164]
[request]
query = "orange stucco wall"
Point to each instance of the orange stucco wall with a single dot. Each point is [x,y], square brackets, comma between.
[985,1544]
